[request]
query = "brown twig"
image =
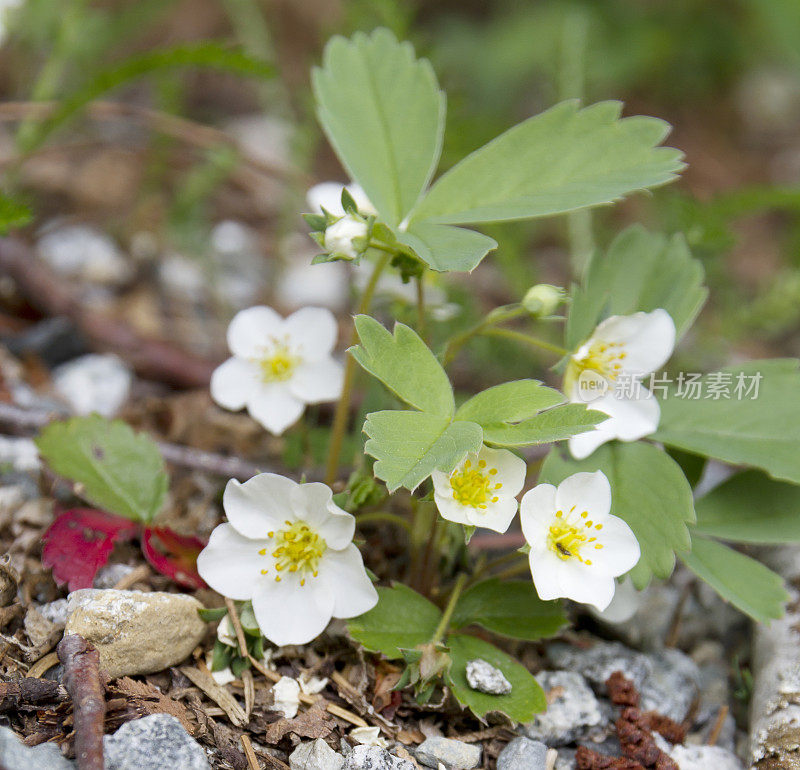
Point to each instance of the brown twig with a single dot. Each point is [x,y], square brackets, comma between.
[252,762]
[82,679]
[151,358]
[237,627]
[29,691]
[713,736]
[31,420]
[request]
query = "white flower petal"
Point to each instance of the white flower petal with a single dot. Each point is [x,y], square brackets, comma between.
[288,613]
[317,381]
[326,195]
[649,339]
[497,516]
[251,329]
[624,605]
[536,512]
[511,470]
[230,563]
[585,492]
[275,407]
[556,578]
[353,591]
[312,332]
[450,509]
[620,552]
[630,420]
[260,505]
[233,382]
[313,503]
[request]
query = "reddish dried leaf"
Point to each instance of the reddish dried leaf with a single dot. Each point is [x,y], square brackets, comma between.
[80,541]
[177,558]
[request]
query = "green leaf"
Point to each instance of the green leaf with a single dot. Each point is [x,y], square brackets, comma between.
[119,471]
[509,402]
[209,615]
[640,271]
[648,490]
[563,159]
[13,214]
[383,112]
[204,54]
[510,608]
[763,432]
[526,697]
[409,446]
[402,619]
[744,582]
[405,364]
[751,508]
[445,248]
[555,424]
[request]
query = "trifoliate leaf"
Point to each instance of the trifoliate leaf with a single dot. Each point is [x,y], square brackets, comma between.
[446,248]
[564,159]
[402,619]
[526,697]
[383,112]
[744,582]
[119,471]
[740,429]
[405,364]
[750,507]
[409,446]
[509,608]
[648,490]
[509,402]
[640,271]
[555,424]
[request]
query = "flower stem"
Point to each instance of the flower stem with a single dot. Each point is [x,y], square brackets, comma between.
[343,405]
[513,334]
[495,317]
[385,516]
[515,569]
[447,615]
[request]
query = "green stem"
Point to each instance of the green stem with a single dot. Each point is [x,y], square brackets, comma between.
[514,570]
[343,405]
[488,566]
[499,315]
[384,516]
[447,615]
[512,334]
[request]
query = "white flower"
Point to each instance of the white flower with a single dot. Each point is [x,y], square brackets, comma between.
[286,697]
[328,196]
[288,548]
[339,236]
[482,490]
[606,370]
[279,365]
[226,633]
[577,546]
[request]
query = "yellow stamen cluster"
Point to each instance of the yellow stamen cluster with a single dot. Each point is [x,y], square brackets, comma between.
[278,362]
[474,486]
[605,358]
[567,536]
[299,549]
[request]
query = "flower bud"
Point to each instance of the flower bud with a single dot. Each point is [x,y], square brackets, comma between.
[339,236]
[543,299]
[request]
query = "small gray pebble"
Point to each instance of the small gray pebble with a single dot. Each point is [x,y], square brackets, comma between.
[484,677]
[452,754]
[523,754]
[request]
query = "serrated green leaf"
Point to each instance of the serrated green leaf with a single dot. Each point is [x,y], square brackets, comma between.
[744,582]
[509,608]
[409,446]
[119,471]
[509,402]
[555,424]
[383,113]
[405,364]
[401,620]
[446,248]
[763,432]
[561,160]
[750,507]
[526,698]
[648,490]
[640,271]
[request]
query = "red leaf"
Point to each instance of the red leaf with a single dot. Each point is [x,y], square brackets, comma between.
[178,557]
[80,541]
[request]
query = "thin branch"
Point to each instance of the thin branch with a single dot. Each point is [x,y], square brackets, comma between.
[82,679]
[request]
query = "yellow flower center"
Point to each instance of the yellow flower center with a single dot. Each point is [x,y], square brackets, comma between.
[298,549]
[278,363]
[474,486]
[568,536]
[605,358]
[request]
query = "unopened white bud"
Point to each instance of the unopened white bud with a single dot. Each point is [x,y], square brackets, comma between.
[339,236]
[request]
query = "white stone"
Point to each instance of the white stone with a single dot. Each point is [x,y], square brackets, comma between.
[452,754]
[315,755]
[523,754]
[374,758]
[705,758]
[15,755]
[79,251]
[94,383]
[286,696]
[484,677]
